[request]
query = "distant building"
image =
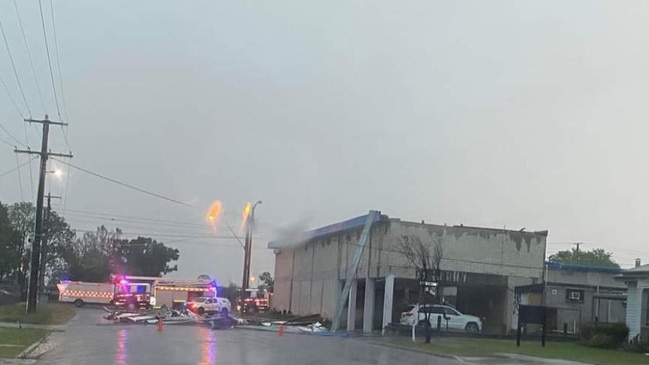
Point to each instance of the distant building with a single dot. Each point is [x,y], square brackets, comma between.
[576,294]
[637,309]
[481,267]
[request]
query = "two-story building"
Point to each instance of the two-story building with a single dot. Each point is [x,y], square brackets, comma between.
[481,267]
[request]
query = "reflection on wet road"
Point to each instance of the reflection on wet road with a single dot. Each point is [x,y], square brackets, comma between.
[84,342]
[120,353]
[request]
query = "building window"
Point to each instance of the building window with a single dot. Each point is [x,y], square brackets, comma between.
[575,296]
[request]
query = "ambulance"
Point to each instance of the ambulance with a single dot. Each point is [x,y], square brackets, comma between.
[80,293]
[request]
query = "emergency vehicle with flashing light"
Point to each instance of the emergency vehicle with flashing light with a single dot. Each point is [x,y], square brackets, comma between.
[80,293]
[134,292]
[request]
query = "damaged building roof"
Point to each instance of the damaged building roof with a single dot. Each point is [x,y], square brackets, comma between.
[299,238]
[331,229]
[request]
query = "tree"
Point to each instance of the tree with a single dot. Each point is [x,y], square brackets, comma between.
[10,247]
[145,256]
[267,280]
[233,292]
[91,258]
[22,216]
[56,235]
[57,239]
[595,257]
[427,266]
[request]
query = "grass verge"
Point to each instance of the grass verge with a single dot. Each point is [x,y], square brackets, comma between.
[13,341]
[52,313]
[475,347]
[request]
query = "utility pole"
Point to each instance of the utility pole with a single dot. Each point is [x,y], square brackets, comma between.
[45,242]
[250,222]
[32,292]
[577,244]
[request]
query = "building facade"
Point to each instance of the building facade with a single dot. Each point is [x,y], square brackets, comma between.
[637,309]
[480,269]
[577,294]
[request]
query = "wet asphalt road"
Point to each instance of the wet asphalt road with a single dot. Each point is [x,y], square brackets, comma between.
[85,342]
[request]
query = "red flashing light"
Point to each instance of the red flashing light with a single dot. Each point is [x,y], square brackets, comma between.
[123,281]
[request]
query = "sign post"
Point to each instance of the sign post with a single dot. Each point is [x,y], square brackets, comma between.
[531,314]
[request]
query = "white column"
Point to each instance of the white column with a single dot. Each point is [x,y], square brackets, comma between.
[351,307]
[368,305]
[388,300]
[639,310]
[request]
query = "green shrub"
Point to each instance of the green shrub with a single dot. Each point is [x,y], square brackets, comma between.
[602,341]
[607,335]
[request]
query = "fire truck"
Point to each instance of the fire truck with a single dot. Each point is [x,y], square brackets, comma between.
[254,301]
[132,294]
[135,292]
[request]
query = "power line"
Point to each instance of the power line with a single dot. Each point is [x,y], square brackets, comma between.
[49,59]
[31,180]
[7,143]
[12,136]
[58,66]
[13,101]
[125,184]
[29,55]
[155,234]
[65,192]
[16,168]
[134,220]
[139,225]
[13,65]
[20,180]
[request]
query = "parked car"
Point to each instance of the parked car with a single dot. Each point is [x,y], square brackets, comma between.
[202,305]
[456,321]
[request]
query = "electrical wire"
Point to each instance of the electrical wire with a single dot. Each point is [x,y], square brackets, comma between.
[20,180]
[58,66]
[141,226]
[125,184]
[31,181]
[160,231]
[13,101]
[152,220]
[171,235]
[16,168]
[60,74]
[49,59]
[65,191]
[29,56]
[143,222]
[12,136]
[7,143]
[13,65]
[234,234]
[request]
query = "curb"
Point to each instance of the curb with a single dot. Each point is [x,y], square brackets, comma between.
[274,330]
[431,353]
[32,347]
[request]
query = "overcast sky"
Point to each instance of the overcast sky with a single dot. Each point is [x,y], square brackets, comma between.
[487,113]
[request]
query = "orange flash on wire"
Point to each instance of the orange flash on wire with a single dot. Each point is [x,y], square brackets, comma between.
[244,215]
[214,214]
